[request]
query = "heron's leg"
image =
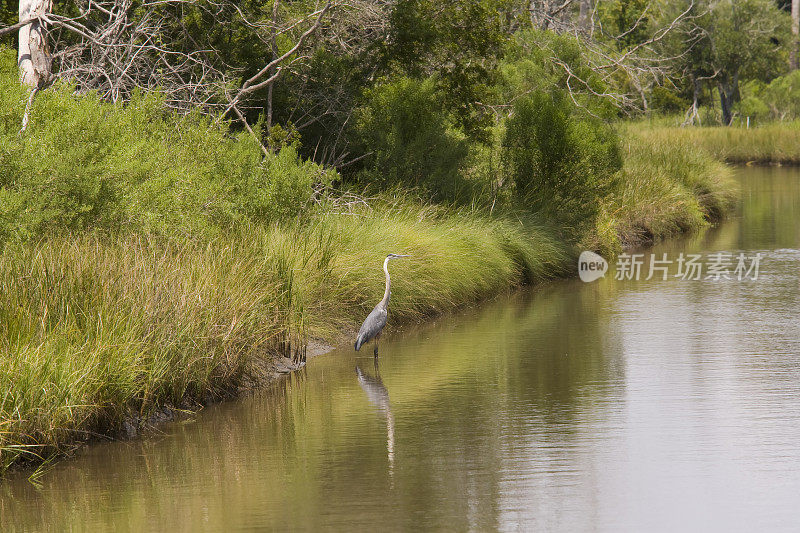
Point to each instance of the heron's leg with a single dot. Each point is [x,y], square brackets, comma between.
[377,338]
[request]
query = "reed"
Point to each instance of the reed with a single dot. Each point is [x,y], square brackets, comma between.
[773,143]
[96,330]
[666,187]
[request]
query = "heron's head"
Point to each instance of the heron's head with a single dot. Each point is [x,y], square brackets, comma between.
[397,256]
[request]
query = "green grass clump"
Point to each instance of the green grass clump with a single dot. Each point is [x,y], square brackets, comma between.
[769,143]
[96,328]
[664,188]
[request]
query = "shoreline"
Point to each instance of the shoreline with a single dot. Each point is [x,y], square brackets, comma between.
[263,373]
[175,325]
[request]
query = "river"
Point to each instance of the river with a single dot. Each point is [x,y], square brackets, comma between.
[616,405]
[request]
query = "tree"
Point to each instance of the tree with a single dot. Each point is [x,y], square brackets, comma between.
[725,41]
[626,21]
[460,42]
[745,38]
[33,56]
[454,46]
[795,34]
[618,59]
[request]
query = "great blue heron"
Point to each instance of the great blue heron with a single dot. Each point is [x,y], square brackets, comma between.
[373,325]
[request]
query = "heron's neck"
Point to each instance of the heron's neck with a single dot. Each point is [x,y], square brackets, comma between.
[387,292]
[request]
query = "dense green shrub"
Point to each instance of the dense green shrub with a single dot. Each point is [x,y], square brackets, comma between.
[407,137]
[753,107]
[84,163]
[540,60]
[778,100]
[667,101]
[560,161]
[782,96]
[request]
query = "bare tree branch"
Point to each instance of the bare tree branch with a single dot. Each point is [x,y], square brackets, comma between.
[115,47]
[17,26]
[257,82]
[641,64]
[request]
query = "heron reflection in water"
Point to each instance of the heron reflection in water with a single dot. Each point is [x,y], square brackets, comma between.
[378,395]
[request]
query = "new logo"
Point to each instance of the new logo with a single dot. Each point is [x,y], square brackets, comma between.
[591,266]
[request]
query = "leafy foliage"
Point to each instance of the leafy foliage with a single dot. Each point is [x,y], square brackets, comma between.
[537,60]
[666,101]
[626,19]
[561,161]
[782,96]
[407,135]
[460,42]
[84,163]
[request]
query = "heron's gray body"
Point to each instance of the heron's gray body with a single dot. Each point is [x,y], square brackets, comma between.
[372,326]
[376,320]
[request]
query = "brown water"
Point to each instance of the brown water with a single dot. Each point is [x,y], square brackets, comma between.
[613,406]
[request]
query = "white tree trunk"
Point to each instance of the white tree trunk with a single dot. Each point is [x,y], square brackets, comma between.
[33,58]
[584,14]
[795,33]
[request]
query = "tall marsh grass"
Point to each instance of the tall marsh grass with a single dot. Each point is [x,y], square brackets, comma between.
[664,188]
[770,143]
[94,330]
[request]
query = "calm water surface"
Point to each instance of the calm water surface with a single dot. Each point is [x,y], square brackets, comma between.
[612,406]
